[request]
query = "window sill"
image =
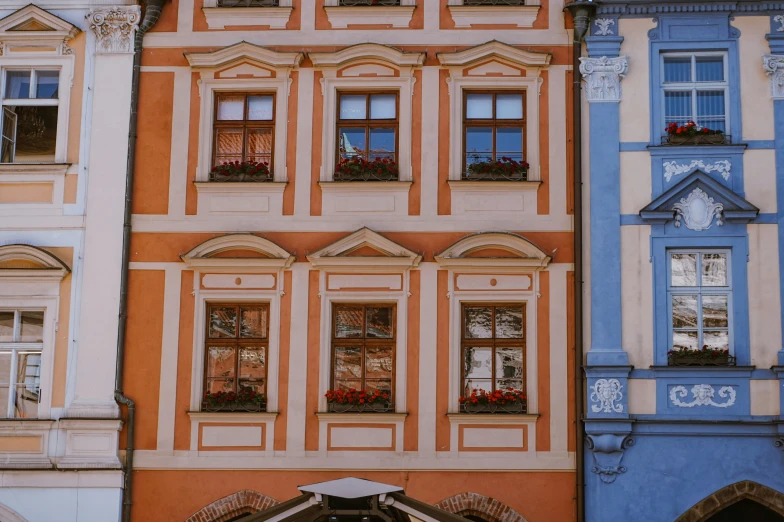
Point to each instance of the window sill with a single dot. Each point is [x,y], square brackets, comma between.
[517,15]
[492,418]
[397,16]
[385,198]
[202,416]
[493,197]
[233,198]
[389,416]
[274,17]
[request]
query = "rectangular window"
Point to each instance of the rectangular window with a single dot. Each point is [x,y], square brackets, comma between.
[244,128]
[700,296]
[21,343]
[696,88]
[30,107]
[493,347]
[363,347]
[494,135]
[367,127]
[237,344]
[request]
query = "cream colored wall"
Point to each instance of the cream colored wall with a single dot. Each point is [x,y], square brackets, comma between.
[764,298]
[756,113]
[635,102]
[636,295]
[759,178]
[765,397]
[642,396]
[635,181]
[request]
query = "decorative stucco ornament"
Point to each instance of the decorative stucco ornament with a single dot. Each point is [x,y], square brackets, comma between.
[603,76]
[779,19]
[672,168]
[774,68]
[702,395]
[697,211]
[607,450]
[603,25]
[115,28]
[606,392]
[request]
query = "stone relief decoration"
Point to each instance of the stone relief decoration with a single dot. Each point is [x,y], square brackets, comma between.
[604,26]
[115,28]
[607,450]
[774,68]
[697,211]
[702,395]
[671,168]
[603,76]
[779,19]
[606,392]
[779,443]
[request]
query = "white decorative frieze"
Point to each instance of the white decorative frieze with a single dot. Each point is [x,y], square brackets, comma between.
[114,28]
[774,68]
[604,26]
[672,168]
[607,394]
[702,395]
[697,211]
[603,77]
[779,19]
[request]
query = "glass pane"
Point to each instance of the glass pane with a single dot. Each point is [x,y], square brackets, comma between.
[346,385]
[505,384]
[251,385]
[382,144]
[683,270]
[260,108]
[478,363]
[378,362]
[479,144]
[509,106]
[259,146]
[353,107]
[231,107]
[32,330]
[17,84]
[677,69]
[6,329]
[221,361]
[352,143]
[348,362]
[253,322]
[710,68]
[684,340]
[253,364]
[219,385]
[4,401]
[223,322]
[509,363]
[714,270]
[47,84]
[718,340]
[684,311]
[715,311]
[228,145]
[677,107]
[348,321]
[28,370]
[509,143]
[382,385]
[36,133]
[379,322]
[509,322]
[26,404]
[478,322]
[5,374]
[383,106]
[479,106]
[710,109]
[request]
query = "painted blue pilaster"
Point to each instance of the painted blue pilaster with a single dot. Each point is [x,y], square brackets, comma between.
[778,114]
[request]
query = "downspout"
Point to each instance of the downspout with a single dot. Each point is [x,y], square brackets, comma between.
[152,12]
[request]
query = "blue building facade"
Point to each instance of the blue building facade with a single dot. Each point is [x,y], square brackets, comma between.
[684,249]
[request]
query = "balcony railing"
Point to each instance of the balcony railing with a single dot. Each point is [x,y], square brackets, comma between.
[248,3]
[493,2]
[355,3]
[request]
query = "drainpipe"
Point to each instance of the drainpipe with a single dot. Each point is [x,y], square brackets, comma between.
[152,12]
[581,11]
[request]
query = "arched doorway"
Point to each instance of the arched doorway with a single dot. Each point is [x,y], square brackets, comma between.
[741,501]
[233,507]
[480,508]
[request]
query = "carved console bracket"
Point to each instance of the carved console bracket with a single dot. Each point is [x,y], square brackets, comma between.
[114,28]
[603,77]
[608,450]
[774,68]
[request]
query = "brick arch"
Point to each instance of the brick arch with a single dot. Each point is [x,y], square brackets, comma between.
[726,496]
[466,504]
[226,508]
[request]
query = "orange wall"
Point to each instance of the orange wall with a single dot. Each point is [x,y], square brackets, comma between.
[182,423]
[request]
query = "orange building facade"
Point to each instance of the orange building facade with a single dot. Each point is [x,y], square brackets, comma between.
[406,229]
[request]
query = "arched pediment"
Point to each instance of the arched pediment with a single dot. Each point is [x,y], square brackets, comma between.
[26,260]
[244,52]
[238,250]
[494,50]
[494,249]
[9,515]
[369,52]
[365,248]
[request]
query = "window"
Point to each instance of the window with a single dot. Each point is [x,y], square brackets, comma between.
[696,87]
[29,120]
[244,128]
[21,343]
[494,131]
[493,347]
[368,132]
[700,299]
[363,347]
[236,347]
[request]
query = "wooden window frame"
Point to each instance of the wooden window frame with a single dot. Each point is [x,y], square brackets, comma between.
[236,342]
[493,123]
[367,123]
[363,342]
[245,124]
[492,342]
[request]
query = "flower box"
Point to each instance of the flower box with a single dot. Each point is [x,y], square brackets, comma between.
[358,401]
[498,401]
[237,406]
[513,407]
[692,134]
[504,169]
[705,357]
[374,407]
[244,171]
[360,169]
[246,400]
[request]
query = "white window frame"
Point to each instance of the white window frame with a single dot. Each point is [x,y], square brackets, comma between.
[695,86]
[699,291]
[15,348]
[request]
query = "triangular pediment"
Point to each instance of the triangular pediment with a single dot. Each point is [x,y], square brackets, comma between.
[244,52]
[238,251]
[494,50]
[698,201]
[365,248]
[497,249]
[33,23]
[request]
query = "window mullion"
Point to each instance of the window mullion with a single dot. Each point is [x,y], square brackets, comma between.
[16,336]
[12,383]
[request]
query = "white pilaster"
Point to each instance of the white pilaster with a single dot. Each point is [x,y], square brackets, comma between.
[298,352]
[304,143]
[428,332]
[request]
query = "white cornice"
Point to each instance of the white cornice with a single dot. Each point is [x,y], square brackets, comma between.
[244,51]
[495,49]
[368,51]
